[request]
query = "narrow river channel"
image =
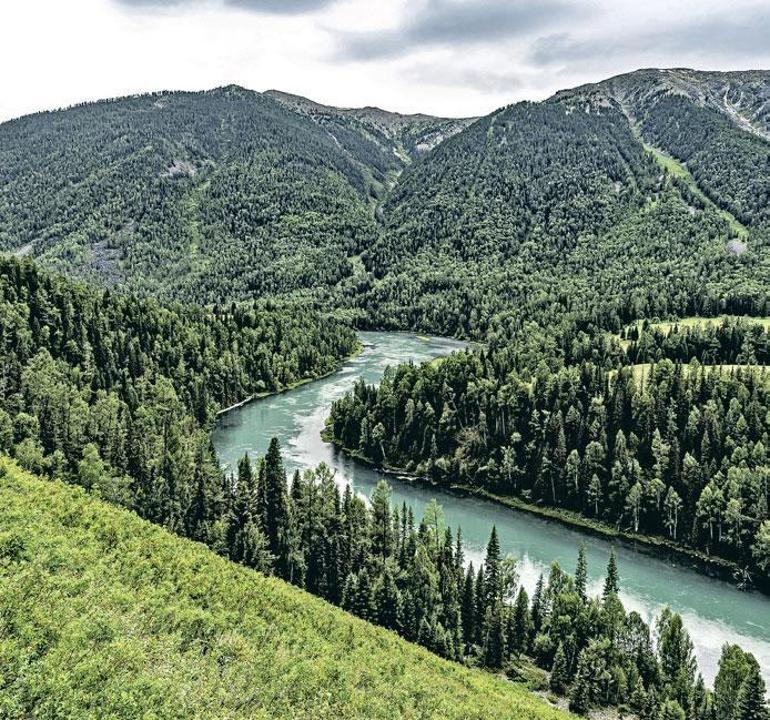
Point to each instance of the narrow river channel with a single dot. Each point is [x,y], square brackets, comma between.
[715,612]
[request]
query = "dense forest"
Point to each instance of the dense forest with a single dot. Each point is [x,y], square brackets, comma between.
[406,222]
[118,394]
[206,197]
[676,446]
[240,238]
[381,564]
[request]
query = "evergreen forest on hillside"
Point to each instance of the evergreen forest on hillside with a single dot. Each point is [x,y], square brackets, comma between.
[164,257]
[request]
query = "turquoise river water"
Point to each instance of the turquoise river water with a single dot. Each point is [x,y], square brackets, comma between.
[714,611]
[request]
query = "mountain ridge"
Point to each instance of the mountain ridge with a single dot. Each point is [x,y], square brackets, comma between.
[229,193]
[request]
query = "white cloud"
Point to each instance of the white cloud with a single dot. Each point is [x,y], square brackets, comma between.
[449,57]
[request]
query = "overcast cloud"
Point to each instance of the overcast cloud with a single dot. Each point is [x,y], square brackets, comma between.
[448,57]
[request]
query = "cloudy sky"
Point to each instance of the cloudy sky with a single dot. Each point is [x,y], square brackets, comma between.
[446,57]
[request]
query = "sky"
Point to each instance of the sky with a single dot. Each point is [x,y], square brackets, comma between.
[445,57]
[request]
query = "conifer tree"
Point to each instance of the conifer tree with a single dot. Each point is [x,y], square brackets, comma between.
[581,574]
[494,636]
[468,607]
[559,672]
[580,694]
[612,581]
[276,508]
[671,710]
[733,669]
[752,702]
[521,625]
[493,583]
[388,604]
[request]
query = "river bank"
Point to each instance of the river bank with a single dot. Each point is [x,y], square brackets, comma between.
[663,548]
[715,612]
[293,386]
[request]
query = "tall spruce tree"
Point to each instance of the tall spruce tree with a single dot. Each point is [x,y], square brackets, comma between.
[276,512]
[493,581]
[559,679]
[581,574]
[752,700]
[612,581]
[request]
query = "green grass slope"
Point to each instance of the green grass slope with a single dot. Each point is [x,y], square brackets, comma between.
[103,615]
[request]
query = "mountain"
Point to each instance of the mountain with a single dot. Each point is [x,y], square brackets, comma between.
[403,138]
[741,96]
[642,195]
[111,616]
[717,123]
[204,196]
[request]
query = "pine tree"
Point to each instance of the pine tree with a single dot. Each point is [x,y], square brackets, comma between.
[612,581]
[580,695]
[521,625]
[752,703]
[276,508]
[538,603]
[671,710]
[677,663]
[250,548]
[581,574]
[388,605]
[481,605]
[733,669]
[493,584]
[559,672]
[494,647]
[382,530]
[468,608]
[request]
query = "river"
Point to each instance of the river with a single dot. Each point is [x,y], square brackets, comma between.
[714,611]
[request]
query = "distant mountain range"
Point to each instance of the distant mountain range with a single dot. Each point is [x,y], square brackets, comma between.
[578,202]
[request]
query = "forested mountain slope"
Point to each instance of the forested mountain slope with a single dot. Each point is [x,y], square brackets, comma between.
[201,196]
[716,123]
[105,615]
[643,195]
[553,207]
[546,229]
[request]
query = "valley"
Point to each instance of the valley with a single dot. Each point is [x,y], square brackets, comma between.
[551,317]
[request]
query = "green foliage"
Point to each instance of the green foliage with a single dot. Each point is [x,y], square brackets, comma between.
[119,394]
[752,702]
[105,615]
[678,451]
[535,211]
[205,197]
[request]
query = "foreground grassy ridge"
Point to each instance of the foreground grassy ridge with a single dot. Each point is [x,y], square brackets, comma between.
[103,615]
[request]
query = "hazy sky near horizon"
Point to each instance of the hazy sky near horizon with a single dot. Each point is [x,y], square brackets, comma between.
[445,57]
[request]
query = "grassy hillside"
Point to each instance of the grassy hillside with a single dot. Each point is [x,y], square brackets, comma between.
[103,615]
